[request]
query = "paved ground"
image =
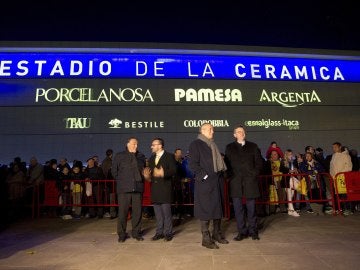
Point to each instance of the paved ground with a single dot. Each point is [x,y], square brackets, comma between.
[308,242]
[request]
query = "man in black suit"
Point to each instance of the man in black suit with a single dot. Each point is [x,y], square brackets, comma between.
[127,168]
[244,163]
[208,166]
[161,171]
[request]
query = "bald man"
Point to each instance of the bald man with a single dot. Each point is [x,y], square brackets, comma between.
[208,166]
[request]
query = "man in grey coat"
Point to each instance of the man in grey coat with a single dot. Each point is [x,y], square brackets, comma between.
[208,166]
[244,163]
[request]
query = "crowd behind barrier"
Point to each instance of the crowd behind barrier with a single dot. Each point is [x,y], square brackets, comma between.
[287,179]
[338,193]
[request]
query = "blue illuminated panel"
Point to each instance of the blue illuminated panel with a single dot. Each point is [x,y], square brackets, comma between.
[26,65]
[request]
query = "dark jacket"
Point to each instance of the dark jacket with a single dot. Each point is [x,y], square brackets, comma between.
[161,188]
[208,193]
[283,170]
[94,173]
[106,167]
[127,171]
[305,167]
[244,164]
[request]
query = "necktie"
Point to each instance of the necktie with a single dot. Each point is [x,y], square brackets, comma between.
[157,159]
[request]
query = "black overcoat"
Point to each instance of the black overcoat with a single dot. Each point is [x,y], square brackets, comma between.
[208,193]
[244,164]
[161,187]
[126,174]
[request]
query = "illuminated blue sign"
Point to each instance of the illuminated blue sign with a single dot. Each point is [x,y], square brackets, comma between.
[47,65]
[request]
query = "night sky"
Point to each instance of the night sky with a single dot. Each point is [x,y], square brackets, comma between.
[295,24]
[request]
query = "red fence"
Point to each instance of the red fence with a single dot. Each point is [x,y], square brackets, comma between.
[347,187]
[275,191]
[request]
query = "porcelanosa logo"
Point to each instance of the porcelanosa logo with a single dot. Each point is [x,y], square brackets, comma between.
[80,95]
[290,99]
[117,123]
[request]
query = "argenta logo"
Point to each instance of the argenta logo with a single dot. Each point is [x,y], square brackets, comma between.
[290,99]
[207,95]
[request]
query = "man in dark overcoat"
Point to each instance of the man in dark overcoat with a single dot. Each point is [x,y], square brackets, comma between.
[161,171]
[208,166]
[127,168]
[244,163]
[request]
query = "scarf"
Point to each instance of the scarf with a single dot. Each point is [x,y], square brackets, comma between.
[218,161]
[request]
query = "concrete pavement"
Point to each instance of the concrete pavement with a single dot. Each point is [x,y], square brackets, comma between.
[312,241]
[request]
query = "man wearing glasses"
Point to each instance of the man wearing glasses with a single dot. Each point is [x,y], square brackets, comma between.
[161,171]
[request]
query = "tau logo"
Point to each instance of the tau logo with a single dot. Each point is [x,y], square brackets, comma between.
[115,123]
[77,123]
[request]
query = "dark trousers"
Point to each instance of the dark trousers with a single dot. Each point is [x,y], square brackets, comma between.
[239,210]
[124,200]
[98,195]
[163,218]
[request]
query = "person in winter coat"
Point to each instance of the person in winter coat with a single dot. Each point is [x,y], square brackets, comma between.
[208,167]
[127,169]
[161,172]
[244,163]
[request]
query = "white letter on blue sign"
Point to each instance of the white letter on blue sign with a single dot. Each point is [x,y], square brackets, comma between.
[157,68]
[144,68]
[238,73]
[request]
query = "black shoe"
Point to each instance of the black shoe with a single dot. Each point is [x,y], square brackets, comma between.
[240,237]
[138,238]
[210,245]
[255,236]
[168,238]
[208,242]
[157,237]
[121,239]
[220,239]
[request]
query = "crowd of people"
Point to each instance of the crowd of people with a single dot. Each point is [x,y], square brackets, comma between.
[198,177]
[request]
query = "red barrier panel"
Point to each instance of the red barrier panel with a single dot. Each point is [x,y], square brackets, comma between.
[147,194]
[92,193]
[289,190]
[308,190]
[52,194]
[347,187]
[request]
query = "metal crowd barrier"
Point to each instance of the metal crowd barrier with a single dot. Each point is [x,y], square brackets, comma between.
[347,187]
[96,193]
[319,188]
[273,191]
